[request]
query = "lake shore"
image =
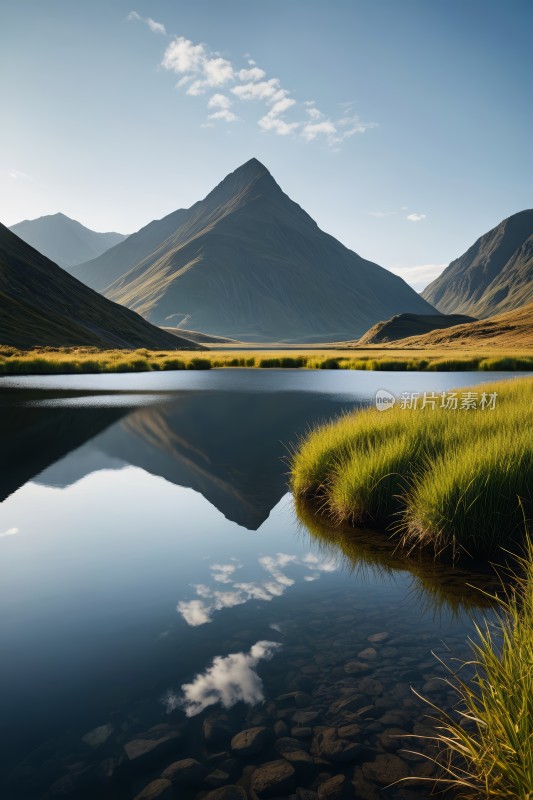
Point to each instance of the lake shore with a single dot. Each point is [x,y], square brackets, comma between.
[80,360]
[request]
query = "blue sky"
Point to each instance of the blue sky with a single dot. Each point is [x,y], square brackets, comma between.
[402,126]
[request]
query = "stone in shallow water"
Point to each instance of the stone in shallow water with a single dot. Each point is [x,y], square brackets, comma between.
[157,790]
[394,738]
[98,736]
[356,667]
[370,686]
[378,637]
[217,728]
[327,744]
[369,654]
[251,741]
[385,769]
[217,778]
[336,788]
[281,728]
[273,779]
[227,793]
[186,772]
[149,750]
[305,718]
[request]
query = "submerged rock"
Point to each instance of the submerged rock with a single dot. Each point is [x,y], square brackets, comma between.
[159,789]
[251,741]
[98,736]
[227,793]
[186,772]
[329,745]
[273,779]
[151,747]
[336,788]
[385,769]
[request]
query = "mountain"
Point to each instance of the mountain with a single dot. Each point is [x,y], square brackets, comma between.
[494,275]
[403,325]
[248,263]
[514,329]
[41,304]
[64,240]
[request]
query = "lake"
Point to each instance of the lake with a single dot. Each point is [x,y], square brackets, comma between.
[160,594]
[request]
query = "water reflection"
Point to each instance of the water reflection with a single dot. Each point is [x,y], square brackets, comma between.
[360,551]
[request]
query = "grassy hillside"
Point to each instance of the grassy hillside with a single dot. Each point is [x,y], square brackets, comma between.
[493,276]
[513,329]
[403,325]
[41,304]
[248,263]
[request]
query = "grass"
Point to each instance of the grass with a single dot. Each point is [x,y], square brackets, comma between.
[50,360]
[486,743]
[454,482]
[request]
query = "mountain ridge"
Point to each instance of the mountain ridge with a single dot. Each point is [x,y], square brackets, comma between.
[64,240]
[494,275]
[249,263]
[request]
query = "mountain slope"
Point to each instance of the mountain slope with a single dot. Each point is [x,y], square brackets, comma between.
[403,325]
[41,304]
[494,275]
[63,240]
[513,329]
[248,263]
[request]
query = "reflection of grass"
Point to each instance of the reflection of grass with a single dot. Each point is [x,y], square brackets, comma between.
[362,550]
[487,745]
[450,480]
[50,360]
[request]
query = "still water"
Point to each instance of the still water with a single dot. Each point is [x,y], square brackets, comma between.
[160,594]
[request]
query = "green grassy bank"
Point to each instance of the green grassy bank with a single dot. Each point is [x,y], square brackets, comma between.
[486,743]
[453,482]
[76,360]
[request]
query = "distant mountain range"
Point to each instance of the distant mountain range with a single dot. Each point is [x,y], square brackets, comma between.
[64,240]
[493,276]
[41,304]
[403,325]
[248,263]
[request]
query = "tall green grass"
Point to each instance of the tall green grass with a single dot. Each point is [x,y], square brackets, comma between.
[486,744]
[453,481]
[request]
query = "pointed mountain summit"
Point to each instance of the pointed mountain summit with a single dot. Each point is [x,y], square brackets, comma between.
[493,276]
[64,240]
[249,263]
[41,304]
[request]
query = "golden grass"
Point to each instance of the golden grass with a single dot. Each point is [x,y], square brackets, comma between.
[50,360]
[445,480]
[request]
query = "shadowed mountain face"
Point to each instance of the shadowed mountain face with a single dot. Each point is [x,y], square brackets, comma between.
[248,263]
[64,240]
[493,276]
[41,304]
[404,325]
[229,446]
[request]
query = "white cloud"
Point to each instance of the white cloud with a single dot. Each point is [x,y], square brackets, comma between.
[210,599]
[313,129]
[182,56]
[9,532]
[219,101]
[223,572]
[314,113]
[194,612]
[229,680]
[155,27]
[224,114]
[254,74]
[415,217]
[201,69]
[16,174]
